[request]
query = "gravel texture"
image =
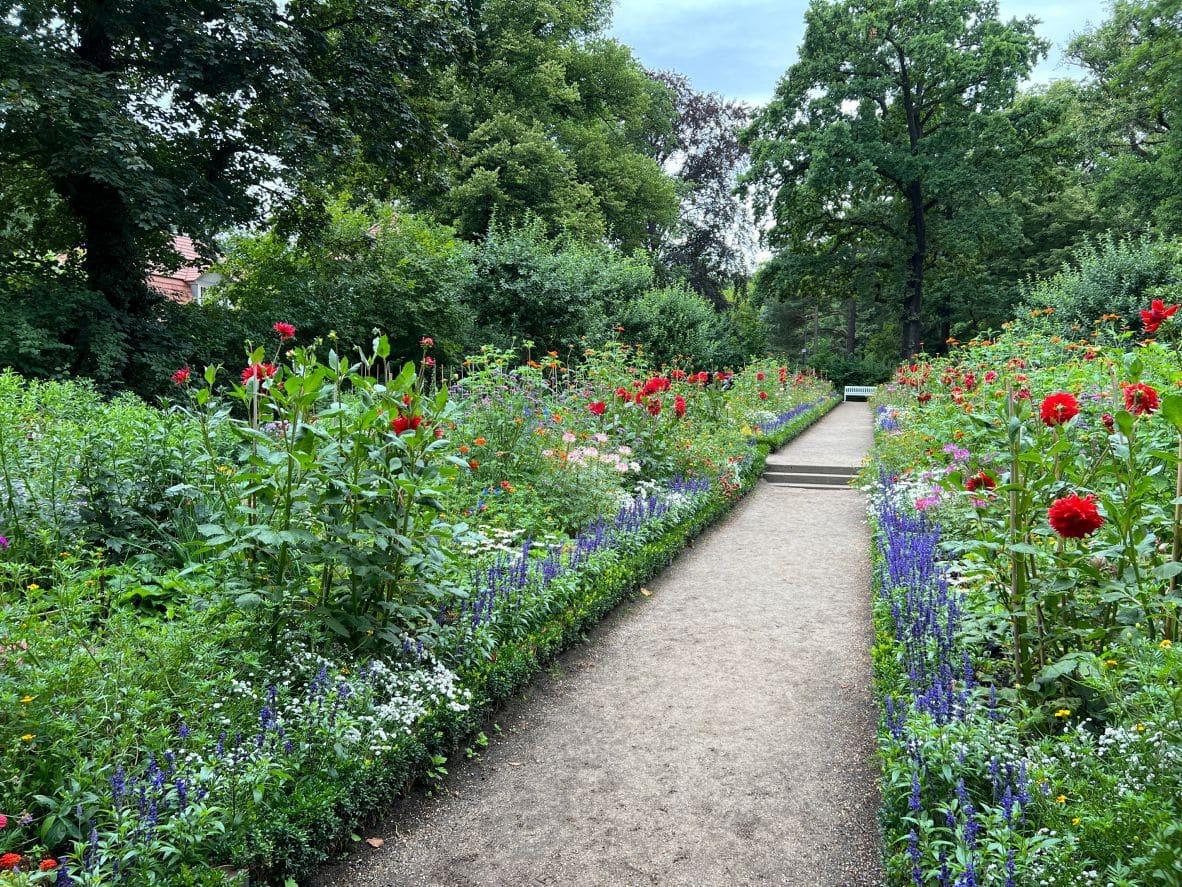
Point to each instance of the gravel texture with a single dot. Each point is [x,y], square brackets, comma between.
[717,732]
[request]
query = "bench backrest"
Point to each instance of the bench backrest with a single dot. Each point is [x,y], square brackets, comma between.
[859,391]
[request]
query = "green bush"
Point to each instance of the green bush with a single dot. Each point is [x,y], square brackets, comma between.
[1109,275]
[677,326]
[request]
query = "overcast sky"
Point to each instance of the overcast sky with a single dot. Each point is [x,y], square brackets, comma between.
[740,48]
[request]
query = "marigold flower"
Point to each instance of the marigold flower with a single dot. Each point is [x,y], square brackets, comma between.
[285,330]
[47,865]
[1141,399]
[480,441]
[1058,409]
[10,860]
[181,376]
[1156,315]
[463,448]
[1074,517]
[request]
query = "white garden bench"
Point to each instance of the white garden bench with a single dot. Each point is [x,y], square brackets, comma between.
[859,391]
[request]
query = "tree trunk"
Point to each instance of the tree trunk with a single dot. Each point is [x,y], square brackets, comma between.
[913,301]
[851,325]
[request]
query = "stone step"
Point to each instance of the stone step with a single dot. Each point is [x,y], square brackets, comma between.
[801,485]
[842,470]
[813,480]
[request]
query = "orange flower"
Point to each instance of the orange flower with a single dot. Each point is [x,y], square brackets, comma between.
[463,449]
[48,865]
[480,441]
[473,464]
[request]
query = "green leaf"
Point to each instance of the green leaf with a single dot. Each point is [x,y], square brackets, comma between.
[1168,570]
[1171,408]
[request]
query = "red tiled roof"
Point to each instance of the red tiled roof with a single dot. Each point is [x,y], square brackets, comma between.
[175,284]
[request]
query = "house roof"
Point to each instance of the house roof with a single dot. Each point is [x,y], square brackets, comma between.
[176,284]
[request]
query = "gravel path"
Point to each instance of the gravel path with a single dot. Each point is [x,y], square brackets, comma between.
[718,732]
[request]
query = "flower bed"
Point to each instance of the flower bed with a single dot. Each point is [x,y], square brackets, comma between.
[251,623]
[1027,612]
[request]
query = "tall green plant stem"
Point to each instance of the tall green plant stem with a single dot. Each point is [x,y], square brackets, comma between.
[1017,561]
[1171,629]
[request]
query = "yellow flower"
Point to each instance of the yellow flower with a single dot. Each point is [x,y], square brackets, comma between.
[1166,644]
[1140,728]
[1062,799]
[32,586]
[1075,820]
[1063,713]
[1111,663]
[28,737]
[28,698]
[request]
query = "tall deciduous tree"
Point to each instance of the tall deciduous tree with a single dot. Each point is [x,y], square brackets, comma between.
[891,128]
[712,244]
[550,119]
[1133,119]
[156,116]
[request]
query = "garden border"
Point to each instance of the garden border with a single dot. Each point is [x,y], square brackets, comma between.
[327,820]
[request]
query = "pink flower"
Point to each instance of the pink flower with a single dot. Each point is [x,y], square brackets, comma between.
[427,342]
[568,437]
[428,361]
[3,821]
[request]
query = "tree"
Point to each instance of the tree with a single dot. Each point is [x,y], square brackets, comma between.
[889,135]
[550,119]
[711,245]
[158,116]
[1133,102]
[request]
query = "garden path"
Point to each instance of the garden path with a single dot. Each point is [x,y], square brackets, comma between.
[719,731]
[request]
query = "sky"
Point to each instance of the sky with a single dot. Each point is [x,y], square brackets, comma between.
[741,48]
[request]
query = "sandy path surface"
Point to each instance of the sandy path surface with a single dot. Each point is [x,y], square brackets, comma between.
[718,732]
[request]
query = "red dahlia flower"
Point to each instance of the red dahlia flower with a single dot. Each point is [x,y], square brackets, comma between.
[285,330]
[654,406]
[1058,409]
[923,397]
[1073,517]
[597,407]
[261,372]
[181,376]
[1156,315]
[1141,399]
[679,375]
[980,481]
[403,424]
[10,861]
[763,395]
[679,406]
[990,376]
[47,865]
[760,376]
[1108,422]
[622,394]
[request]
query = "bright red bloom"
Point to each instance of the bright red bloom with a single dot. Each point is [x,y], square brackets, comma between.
[1156,315]
[1141,399]
[763,395]
[760,377]
[10,860]
[1108,422]
[258,371]
[597,407]
[181,376]
[990,376]
[1073,517]
[702,378]
[285,330]
[969,381]
[622,394]
[678,375]
[980,481]
[48,865]
[656,385]
[1058,409]
[654,406]
[402,424]
[679,406]
[923,397]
